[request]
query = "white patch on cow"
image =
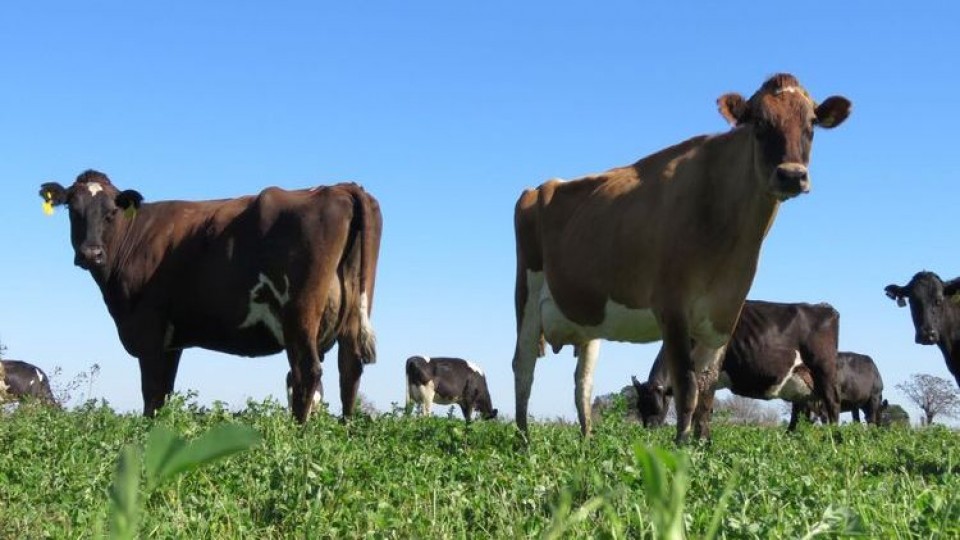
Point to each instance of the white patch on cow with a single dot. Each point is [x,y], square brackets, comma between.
[264,313]
[94,188]
[39,376]
[229,249]
[620,323]
[366,328]
[474,367]
[792,387]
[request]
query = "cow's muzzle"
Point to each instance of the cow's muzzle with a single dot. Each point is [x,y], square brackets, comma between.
[927,336]
[790,180]
[90,257]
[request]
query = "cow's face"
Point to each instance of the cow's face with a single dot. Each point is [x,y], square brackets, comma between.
[651,403]
[490,415]
[782,117]
[928,297]
[95,206]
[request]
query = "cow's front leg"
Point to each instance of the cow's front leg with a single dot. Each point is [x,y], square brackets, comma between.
[157,376]
[583,382]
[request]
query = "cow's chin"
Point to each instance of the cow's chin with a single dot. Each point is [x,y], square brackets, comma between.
[92,265]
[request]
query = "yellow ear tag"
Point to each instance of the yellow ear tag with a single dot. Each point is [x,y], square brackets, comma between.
[130,211]
[48,208]
[955,298]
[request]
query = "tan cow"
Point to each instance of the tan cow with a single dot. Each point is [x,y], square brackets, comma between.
[665,248]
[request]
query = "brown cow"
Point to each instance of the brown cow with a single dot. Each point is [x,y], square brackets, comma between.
[250,276]
[665,248]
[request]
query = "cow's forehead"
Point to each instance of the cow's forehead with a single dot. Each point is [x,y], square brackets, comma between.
[94,188]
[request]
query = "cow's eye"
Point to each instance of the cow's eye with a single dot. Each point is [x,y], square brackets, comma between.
[111,215]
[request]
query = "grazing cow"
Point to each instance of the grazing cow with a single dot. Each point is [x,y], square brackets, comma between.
[252,276]
[861,387]
[447,381]
[665,248]
[21,380]
[935,308]
[778,351]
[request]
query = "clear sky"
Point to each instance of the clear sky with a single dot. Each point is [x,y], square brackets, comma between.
[446,111]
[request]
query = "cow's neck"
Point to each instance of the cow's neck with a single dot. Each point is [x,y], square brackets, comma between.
[950,338]
[119,281]
[740,164]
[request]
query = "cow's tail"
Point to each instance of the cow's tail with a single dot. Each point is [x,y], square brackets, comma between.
[368,223]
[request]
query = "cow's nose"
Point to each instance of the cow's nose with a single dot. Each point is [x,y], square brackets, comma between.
[927,336]
[93,254]
[793,179]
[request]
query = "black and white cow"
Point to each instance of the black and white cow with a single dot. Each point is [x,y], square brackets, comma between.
[448,381]
[785,351]
[22,380]
[936,314]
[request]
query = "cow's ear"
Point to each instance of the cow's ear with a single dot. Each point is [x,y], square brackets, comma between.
[636,383]
[952,289]
[733,108]
[129,201]
[896,292]
[53,194]
[833,111]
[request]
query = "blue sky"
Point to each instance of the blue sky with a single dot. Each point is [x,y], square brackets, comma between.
[446,111]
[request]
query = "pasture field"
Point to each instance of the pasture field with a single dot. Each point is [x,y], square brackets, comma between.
[405,477]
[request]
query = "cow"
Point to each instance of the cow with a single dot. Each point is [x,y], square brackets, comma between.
[665,248]
[21,380]
[935,308]
[861,387]
[447,381]
[250,276]
[778,351]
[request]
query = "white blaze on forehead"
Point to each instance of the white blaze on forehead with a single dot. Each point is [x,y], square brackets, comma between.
[264,313]
[39,376]
[94,188]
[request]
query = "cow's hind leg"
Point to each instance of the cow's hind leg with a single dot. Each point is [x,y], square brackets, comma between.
[583,382]
[304,357]
[351,368]
[157,376]
[529,334]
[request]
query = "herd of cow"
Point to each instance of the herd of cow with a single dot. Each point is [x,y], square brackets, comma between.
[663,249]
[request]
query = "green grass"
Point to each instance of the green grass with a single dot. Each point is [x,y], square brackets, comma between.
[399,477]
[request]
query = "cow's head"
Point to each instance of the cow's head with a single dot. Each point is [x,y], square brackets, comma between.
[490,414]
[96,206]
[652,402]
[930,299]
[782,116]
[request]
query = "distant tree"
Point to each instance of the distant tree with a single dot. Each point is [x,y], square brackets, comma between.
[741,410]
[365,406]
[605,402]
[934,395]
[894,415]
